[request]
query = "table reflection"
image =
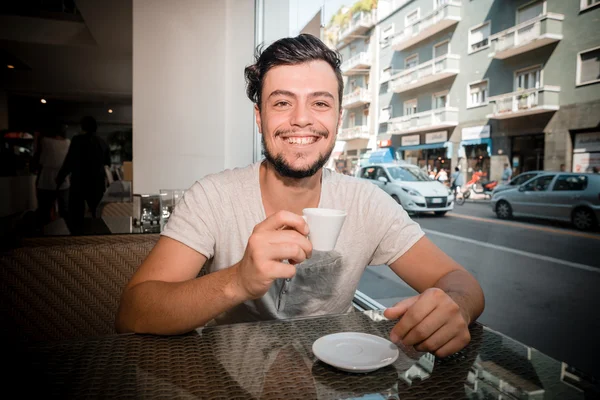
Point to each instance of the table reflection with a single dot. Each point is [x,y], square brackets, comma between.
[274,360]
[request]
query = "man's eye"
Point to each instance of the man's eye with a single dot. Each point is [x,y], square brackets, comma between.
[321,104]
[281,104]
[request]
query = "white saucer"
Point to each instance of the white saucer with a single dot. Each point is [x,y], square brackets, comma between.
[355,351]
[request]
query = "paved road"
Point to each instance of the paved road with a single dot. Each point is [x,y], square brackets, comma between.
[541,280]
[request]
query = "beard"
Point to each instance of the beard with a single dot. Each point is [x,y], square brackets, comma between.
[285,170]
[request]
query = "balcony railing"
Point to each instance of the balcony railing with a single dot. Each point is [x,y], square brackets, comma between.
[426,73]
[359,24]
[360,63]
[441,18]
[525,102]
[357,132]
[526,36]
[357,98]
[423,121]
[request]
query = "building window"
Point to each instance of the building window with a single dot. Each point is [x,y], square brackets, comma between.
[479,37]
[588,66]
[351,120]
[411,61]
[478,93]
[585,4]
[440,100]
[441,49]
[411,17]
[387,34]
[385,114]
[530,78]
[530,11]
[410,107]
[386,74]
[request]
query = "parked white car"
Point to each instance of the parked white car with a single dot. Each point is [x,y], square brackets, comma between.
[410,187]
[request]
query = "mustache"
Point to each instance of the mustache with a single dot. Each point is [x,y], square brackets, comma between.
[315,131]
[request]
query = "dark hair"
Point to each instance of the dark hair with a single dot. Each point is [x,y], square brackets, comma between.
[456,169]
[88,124]
[289,51]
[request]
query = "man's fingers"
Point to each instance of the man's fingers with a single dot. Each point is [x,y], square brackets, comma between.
[291,237]
[415,313]
[287,251]
[400,308]
[282,270]
[426,328]
[435,341]
[283,220]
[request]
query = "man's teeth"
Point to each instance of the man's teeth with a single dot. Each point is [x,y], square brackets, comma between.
[301,140]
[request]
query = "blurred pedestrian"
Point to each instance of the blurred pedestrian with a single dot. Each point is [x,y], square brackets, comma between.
[442,176]
[457,179]
[506,174]
[562,167]
[85,163]
[49,156]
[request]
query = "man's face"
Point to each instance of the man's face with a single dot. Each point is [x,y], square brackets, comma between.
[299,117]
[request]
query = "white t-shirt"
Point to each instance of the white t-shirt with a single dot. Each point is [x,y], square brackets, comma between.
[217,214]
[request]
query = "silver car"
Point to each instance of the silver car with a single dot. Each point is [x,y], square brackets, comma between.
[516,181]
[410,187]
[561,196]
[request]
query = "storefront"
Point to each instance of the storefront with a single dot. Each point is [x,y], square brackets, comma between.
[527,153]
[476,149]
[430,151]
[586,152]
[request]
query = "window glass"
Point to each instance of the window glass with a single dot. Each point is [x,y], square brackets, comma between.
[570,182]
[519,180]
[478,93]
[589,66]
[408,174]
[539,184]
[479,37]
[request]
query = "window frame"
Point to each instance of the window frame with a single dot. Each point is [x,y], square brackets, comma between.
[387,34]
[583,7]
[469,43]
[416,10]
[541,176]
[544,8]
[566,177]
[415,56]
[578,70]
[410,101]
[487,97]
[539,67]
[435,95]
[438,44]
[390,116]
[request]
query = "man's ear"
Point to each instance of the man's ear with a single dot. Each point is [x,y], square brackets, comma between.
[258,120]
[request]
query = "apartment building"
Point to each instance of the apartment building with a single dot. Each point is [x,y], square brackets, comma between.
[357,43]
[474,84]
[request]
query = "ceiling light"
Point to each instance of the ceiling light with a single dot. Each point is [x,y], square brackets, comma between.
[43,101]
[10,66]
[110,110]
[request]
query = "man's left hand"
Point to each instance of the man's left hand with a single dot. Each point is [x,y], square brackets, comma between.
[431,321]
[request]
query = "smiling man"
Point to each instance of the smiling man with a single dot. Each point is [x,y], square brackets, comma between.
[222,256]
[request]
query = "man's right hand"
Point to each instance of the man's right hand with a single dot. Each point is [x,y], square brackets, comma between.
[280,237]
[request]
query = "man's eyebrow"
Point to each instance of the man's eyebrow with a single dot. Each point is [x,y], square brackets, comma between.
[287,93]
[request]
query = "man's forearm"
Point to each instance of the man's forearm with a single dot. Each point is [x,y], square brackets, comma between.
[170,308]
[464,289]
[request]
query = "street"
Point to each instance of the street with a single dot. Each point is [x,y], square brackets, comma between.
[540,279]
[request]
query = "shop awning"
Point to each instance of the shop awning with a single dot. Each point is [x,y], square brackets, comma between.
[474,142]
[425,146]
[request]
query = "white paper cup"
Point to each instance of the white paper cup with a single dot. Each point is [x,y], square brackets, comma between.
[325,225]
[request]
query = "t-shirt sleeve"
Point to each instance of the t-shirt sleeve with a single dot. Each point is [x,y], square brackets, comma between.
[396,231]
[192,222]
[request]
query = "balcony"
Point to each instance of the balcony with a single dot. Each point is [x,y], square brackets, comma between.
[359,97]
[428,72]
[525,102]
[357,132]
[359,25]
[358,64]
[527,36]
[424,121]
[441,18]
